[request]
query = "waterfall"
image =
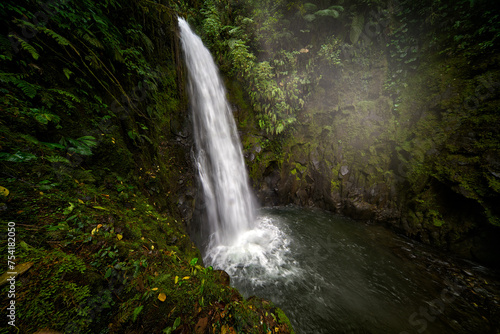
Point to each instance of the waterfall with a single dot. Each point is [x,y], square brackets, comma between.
[230,207]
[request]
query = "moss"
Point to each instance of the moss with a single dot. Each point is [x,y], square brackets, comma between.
[283,318]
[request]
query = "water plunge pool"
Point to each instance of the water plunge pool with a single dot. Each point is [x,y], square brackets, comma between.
[331,274]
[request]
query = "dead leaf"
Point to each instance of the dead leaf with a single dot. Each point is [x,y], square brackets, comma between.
[18,270]
[96,229]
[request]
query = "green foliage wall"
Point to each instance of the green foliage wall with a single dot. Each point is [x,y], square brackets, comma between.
[403,95]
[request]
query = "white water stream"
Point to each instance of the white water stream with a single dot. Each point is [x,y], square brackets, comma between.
[236,237]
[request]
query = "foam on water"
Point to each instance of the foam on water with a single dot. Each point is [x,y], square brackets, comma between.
[259,255]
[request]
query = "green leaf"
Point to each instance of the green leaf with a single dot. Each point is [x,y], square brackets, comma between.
[17,157]
[108,272]
[136,312]
[177,322]
[69,209]
[67,72]
[53,145]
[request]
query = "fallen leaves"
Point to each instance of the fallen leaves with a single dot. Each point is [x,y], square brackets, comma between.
[95,230]
[4,192]
[19,269]
[162,297]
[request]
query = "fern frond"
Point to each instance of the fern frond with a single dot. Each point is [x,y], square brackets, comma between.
[90,37]
[59,39]
[49,32]
[310,7]
[328,12]
[66,94]
[337,8]
[56,159]
[29,89]
[26,46]
[147,42]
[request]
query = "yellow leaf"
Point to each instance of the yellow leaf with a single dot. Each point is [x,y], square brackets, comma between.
[18,270]
[154,289]
[96,229]
[4,191]
[176,279]
[119,236]
[41,192]
[162,297]
[185,277]
[152,247]
[80,201]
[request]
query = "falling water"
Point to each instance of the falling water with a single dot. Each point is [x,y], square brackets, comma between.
[328,274]
[219,159]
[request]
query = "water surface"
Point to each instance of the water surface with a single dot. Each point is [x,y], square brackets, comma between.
[331,274]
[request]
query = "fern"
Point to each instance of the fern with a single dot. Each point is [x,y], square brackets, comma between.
[310,7]
[328,12]
[90,37]
[66,94]
[28,89]
[60,40]
[25,46]
[56,159]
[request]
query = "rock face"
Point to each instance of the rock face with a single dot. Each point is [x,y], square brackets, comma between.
[423,161]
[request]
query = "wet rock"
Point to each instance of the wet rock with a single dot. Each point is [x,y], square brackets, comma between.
[344,170]
[223,277]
